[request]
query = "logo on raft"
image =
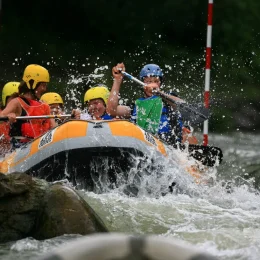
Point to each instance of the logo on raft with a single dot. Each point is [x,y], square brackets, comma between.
[46,139]
[148,137]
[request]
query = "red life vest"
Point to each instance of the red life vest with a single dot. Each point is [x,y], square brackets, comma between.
[35,127]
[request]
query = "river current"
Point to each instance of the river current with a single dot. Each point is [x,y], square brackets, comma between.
[223,219]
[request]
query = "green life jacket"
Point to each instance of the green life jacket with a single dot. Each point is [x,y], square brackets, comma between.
[148,113]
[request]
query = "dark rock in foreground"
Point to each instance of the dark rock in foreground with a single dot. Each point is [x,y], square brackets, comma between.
[36,208]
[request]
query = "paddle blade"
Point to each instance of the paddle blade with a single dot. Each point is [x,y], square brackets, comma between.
[208,155]
[195,114]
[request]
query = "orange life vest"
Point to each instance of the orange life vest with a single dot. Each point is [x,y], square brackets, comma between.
[35,127]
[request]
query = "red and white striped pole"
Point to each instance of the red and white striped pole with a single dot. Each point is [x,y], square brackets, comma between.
[207,70]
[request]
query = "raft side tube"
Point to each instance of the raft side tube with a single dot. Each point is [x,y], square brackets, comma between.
[127,247]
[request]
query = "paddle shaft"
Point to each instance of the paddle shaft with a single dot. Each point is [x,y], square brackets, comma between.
[133,78]
[166,97]
[5,118]
[155,92]
[181,104]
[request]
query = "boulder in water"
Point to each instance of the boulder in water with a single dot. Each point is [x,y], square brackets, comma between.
[36,208]
[65,212]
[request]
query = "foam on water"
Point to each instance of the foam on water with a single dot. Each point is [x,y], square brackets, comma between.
[220,221]
[225,224]
[30,248]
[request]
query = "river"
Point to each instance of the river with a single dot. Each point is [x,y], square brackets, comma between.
[223,219]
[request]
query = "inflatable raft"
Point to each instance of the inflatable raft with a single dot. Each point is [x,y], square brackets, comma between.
[126,246]
[82,151]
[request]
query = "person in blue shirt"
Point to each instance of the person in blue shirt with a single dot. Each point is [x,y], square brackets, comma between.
[151,112]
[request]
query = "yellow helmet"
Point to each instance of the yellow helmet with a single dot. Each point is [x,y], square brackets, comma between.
[51,98]
[100,91]
[9,89]
[36,73]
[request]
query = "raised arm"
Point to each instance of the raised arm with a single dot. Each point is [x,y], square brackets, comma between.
[113,108]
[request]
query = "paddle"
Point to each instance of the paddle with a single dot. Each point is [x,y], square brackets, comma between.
[5,118]
[188,112]
[207,155]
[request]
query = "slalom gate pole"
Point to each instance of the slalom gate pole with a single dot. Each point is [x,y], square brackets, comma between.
[207,70]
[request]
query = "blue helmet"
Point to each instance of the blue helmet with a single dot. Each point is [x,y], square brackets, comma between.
[151,70]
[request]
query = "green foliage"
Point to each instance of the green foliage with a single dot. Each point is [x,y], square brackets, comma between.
[76,37]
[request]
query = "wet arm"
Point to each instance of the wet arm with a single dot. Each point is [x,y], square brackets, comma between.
[112,105]
[12,107]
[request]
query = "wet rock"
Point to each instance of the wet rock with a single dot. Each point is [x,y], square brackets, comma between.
[36,208]
[65,212]
[20,200]
[14,184]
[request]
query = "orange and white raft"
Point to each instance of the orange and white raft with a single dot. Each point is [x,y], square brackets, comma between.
[69,149]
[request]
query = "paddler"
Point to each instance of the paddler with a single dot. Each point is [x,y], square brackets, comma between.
[55,101]
[33,86]
[9,91]
[95,101]
[150,112]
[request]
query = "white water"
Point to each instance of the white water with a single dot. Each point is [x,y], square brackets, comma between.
[226,225]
